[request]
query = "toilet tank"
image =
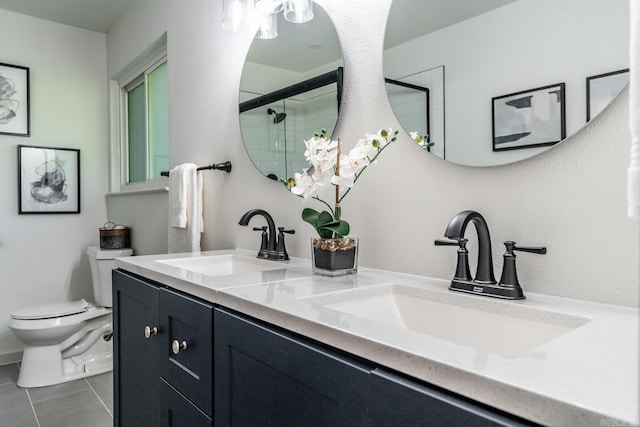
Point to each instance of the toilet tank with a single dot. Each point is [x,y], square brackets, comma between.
[102,261]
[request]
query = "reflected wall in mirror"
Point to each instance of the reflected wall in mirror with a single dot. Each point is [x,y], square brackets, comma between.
[290,88]
[491,48]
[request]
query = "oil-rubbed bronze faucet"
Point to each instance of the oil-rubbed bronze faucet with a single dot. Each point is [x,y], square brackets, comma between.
[484,282]
[269,248]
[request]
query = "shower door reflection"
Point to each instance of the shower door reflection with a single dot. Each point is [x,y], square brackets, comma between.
[274,126]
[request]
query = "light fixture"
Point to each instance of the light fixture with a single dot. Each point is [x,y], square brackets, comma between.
[235,15]
[268,6]
[298,11]
[268,27]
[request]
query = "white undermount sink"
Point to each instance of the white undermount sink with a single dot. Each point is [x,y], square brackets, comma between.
[222,265]
[508,329]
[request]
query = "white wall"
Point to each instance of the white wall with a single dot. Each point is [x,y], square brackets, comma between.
[571,199]
[43,257]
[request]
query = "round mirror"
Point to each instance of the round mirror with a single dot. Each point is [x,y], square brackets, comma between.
[497,81]
[291,87]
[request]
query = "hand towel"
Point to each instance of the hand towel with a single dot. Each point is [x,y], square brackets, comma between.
[185,209]
[179,179]
[633,176]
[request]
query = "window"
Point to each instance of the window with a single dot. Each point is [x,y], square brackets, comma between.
[145,123]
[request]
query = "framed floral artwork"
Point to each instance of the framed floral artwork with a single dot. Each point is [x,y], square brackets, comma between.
[48,180]
[14,100]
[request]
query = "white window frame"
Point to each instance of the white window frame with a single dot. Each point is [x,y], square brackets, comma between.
[119,153]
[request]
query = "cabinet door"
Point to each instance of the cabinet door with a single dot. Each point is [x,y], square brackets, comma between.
[399,401]
[177,411]
[268,377]
[136,362]
[188,323]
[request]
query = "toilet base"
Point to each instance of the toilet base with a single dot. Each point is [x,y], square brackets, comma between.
[45,365]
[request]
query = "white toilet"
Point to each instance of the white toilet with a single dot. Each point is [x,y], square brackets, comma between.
[69,340]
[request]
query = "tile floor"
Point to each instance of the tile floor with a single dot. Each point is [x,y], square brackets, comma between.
[81,403]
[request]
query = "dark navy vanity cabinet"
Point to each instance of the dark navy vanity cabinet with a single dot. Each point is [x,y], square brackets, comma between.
[266,377]
[206,366]
[162,355]
[136,361]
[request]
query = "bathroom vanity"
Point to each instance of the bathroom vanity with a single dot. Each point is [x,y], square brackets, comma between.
[221,338]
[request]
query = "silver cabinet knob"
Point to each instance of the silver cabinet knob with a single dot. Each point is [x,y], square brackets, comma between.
[148,331]
[176,346]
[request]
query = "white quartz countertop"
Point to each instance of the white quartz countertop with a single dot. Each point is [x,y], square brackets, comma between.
[586,376]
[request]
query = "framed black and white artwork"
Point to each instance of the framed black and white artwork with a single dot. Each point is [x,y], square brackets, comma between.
[14,100]
[530,118]
[603,88]
[48,180]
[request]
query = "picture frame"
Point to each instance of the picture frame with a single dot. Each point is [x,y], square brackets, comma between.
[529,118]
[48,180]
[603,88]
[14,100]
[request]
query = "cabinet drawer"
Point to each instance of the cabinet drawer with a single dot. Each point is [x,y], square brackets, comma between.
[186,360]
[177,411]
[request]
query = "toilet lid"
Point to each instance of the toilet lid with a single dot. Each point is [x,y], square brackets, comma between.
[46,311]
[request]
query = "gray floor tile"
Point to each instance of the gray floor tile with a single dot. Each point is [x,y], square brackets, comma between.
[15,409]
[43,393]
[9,373]
[103,386]
[80,409]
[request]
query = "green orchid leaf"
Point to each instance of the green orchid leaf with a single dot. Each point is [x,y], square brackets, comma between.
[341,228]
[319,221]
[324,218]
[324,233]
[311,216]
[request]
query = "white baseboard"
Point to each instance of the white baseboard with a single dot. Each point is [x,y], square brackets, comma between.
[10,358]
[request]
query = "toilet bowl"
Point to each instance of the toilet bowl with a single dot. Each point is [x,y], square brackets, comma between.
[69,340]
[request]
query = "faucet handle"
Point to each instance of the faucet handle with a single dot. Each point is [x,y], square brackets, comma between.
[511,246]
[462,266]
[281,250]
[509,274]
[264,243]
[446,242]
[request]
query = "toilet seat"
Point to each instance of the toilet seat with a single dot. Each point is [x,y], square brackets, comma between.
[50,311]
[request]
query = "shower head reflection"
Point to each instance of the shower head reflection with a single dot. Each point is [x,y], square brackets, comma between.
[278,116]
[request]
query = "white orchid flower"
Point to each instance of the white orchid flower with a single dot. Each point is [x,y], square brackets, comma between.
[350,166]
[322,176]
[326,175]
[324,158]
[305,186]
[317,145]
[343,181]
[364,149]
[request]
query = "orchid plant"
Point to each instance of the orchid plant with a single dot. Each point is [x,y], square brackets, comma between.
[330,168]
[422,140]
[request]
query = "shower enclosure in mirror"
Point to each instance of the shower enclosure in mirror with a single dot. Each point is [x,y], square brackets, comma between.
[494,47]
[275,124]
[290,88]
[418,102]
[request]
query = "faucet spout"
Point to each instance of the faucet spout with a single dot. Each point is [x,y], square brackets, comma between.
[456,229]
[271,244]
